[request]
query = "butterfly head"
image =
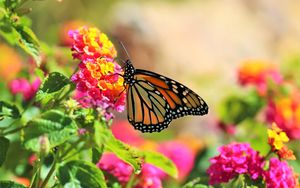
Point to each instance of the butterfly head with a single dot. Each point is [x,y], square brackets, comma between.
[129,72]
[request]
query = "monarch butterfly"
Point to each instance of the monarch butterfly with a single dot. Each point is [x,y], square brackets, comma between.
[153,100]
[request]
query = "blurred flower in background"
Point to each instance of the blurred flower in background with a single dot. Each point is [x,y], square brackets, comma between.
[258,73]
[285,112]
[24,87]
[10,63]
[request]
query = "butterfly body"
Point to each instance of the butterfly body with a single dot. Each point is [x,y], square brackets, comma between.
[153,100]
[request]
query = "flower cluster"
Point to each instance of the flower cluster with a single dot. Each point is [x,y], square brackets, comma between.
[285,112]
[276,139]
[98,80]
[235,159]
[240,158]
[24,87]
[280,175]
[258,73]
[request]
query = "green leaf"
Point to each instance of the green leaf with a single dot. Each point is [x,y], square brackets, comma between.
[12,4]
[57,126]
[8,110]
[52,88]
[79,173]
[29,42]
[104,136]
[10,184]
[96,154]
[196,183]
[20,35]
[161,162]
[4,145]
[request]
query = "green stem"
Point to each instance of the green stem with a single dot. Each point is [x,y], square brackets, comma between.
[131,181]
[38,172]
[32,180]
[52,169]
[14,130]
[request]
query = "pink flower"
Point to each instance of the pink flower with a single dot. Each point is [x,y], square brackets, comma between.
[150,177]
[23,86]
[234,159]
[279,175]
[258,73]
[98,79]
[182,156]
[131,137]
[110,163]
[91,44]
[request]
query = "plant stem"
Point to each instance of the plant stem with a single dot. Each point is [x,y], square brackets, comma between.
[14,130]
[131,181]
[52,169]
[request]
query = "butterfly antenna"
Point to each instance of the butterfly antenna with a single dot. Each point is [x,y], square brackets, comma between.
[124,49]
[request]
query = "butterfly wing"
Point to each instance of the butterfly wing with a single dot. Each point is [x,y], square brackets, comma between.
[182,100]
[154,100]
[148,110]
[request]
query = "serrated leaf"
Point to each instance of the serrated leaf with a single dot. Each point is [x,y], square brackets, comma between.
[160,161]
[80,174]
[52,88]
[104,136]
[57,126]
[10,184]
[29,42]
[4,145]
[8,110]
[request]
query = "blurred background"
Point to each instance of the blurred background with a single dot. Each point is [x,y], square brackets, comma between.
[200,43]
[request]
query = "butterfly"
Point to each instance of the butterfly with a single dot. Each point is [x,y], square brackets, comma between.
[153,100]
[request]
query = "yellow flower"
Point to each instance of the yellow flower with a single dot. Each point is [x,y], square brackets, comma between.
[277,137]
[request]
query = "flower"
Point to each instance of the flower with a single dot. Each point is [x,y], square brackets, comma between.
[110,163]
[151,177]
[234,159]
[64,38]
[276,139]
[131,137]
[258,73]
[285,112]
[279,175]
[22,86]
[182,156]
[98,79]
[90,44]
[10,63]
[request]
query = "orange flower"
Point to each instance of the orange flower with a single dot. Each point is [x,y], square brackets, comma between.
[258,73]
[10,63]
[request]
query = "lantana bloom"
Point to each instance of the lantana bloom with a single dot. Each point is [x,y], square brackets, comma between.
[110,163]
[24,87]
[285,112]
[98,80]
[276,139]
[235,159]
[279,175]
[258,73]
